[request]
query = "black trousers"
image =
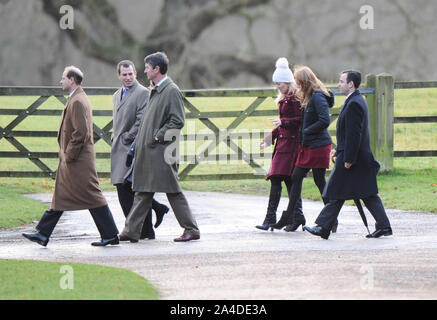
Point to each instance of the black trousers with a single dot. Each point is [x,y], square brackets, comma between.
[126,199]
[330,212]
[102,217]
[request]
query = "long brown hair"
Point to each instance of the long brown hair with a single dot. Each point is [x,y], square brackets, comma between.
[307,82]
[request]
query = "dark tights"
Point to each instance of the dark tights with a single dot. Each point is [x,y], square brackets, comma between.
[276,187]
[296,184]
[276,190]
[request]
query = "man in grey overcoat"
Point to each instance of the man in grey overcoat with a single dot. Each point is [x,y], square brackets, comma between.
[154,170]
[355,170]
[129,103]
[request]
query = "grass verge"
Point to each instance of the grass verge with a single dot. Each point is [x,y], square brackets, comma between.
[38,280]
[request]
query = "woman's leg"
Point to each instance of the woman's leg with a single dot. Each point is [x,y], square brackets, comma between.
[294,196]
[274,198]
[319,179]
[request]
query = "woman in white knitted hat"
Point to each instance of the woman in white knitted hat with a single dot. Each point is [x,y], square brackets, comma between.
[315,142]
[285,136]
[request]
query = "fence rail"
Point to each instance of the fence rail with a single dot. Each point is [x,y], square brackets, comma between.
[415,119]
[378,90]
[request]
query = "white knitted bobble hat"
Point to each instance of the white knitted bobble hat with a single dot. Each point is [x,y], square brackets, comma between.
[282,72]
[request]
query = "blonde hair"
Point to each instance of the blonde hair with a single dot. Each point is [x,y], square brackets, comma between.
[291,88]
[308,83]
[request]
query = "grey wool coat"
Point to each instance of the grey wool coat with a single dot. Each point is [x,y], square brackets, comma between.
[164,115]
[77,185]
[127,115]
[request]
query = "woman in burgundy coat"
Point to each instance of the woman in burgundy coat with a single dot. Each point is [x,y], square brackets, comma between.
[286,137]
[315,141]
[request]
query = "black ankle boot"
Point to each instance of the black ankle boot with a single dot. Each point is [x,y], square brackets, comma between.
[269,219]
[298,220]
[285,219]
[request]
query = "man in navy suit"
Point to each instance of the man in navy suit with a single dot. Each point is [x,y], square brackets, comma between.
[355,170]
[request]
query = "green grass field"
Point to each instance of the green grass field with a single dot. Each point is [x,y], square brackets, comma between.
[37,280]
[411,186]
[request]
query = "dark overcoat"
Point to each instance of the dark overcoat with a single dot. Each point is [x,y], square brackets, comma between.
[315,123]
[353,146]
[286,137]
[77,186]
[155,164]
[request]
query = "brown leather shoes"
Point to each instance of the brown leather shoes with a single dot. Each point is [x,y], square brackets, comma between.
[123,237]
[187,237]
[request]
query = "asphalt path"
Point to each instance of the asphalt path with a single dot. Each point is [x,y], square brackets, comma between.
[234,260]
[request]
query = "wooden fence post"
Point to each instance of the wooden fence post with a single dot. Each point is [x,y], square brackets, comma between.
[381,114]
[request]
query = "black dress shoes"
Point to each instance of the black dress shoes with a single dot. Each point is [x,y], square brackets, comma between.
[380,232]
[37,237]
[149,235]
[163,209]
[318,231]
[105,242]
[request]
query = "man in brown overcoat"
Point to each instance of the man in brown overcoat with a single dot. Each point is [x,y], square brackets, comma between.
[154,168]
[77,185]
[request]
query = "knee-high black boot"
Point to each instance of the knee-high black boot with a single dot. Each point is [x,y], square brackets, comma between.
[274,198]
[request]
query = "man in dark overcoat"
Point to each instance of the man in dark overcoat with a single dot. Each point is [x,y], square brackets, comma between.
[129,103]
[154,169]
[77,185]
[355,170]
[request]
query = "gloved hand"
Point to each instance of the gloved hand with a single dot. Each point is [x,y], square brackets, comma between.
[129,159]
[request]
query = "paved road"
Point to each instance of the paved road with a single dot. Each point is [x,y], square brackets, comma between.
[233,260]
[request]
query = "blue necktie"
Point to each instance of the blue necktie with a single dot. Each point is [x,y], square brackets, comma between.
[123,93]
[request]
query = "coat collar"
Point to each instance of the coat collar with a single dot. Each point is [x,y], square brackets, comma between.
[163,85]
[128,93]
[346,102]
[76,92]
[355,93]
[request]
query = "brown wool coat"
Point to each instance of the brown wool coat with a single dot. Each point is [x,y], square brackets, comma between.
[77,185]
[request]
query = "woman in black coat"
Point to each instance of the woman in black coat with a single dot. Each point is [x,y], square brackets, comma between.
[315,145]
